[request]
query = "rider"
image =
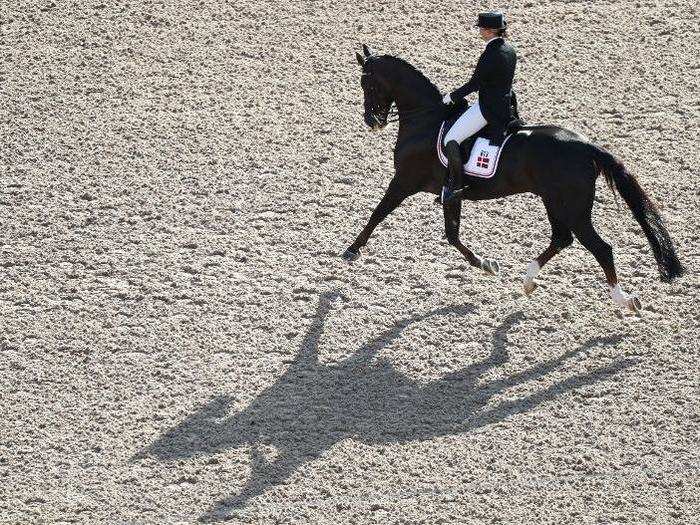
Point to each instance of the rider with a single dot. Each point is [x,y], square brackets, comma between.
[493,79]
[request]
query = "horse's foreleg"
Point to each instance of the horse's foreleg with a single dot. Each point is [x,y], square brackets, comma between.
[452,211]
[393,197]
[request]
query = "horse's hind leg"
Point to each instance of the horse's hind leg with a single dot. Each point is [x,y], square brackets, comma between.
[452,211]
[561,238]
[602,251]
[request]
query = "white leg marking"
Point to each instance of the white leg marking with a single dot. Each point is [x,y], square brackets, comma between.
[533,270]
[623,299]
[619,297]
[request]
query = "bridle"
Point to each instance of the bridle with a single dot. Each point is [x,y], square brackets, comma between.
[372,92]
[392,113]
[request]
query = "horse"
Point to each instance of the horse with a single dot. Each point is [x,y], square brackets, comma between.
[558,165]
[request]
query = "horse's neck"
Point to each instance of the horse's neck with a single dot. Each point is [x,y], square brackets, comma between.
[417,110]
[412,91]
[408,99]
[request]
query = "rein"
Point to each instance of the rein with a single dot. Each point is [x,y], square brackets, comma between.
[395,114]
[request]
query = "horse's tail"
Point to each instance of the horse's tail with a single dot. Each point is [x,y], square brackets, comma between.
[644,211]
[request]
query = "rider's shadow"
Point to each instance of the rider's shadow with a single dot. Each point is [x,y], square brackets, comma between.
[313,406]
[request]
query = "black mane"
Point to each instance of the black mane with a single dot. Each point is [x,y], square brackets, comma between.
[412,77]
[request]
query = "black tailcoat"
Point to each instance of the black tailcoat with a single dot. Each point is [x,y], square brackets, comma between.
[493,79]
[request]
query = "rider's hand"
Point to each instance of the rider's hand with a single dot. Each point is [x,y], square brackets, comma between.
[447,99]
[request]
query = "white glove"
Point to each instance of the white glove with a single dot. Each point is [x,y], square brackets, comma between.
[447,99]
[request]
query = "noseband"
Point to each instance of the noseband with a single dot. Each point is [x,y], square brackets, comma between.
[372,94]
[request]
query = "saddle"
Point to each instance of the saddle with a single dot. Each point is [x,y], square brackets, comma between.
[482,150]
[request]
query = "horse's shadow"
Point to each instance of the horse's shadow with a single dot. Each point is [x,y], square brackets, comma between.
[312,405]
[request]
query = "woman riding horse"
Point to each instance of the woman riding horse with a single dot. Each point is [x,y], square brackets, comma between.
[558,165]
[493,79]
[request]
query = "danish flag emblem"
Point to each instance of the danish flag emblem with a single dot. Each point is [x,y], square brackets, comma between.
[483,159]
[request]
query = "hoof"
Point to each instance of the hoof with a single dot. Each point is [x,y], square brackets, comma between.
[529,287]
[351,255]
[624,300]
[490,266]
[634,304]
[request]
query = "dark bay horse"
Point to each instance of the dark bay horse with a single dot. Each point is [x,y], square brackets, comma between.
[559,165]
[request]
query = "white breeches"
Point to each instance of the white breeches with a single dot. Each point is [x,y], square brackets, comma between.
[468,124]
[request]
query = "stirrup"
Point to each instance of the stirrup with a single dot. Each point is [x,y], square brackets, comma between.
[448,196]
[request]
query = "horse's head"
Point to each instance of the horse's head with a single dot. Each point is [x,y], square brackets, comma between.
[376,90]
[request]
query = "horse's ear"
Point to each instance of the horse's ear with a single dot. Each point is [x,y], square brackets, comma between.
[366,50]
[360,59]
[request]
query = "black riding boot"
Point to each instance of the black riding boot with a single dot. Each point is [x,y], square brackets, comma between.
[454,171]
[498,135]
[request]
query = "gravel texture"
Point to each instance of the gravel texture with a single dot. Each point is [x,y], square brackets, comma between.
[180,340]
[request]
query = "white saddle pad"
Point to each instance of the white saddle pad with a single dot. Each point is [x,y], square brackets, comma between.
[483,159]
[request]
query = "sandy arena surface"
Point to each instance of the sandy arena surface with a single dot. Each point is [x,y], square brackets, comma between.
[181,341]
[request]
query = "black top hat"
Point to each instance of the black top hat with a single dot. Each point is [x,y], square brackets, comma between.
[491,20]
